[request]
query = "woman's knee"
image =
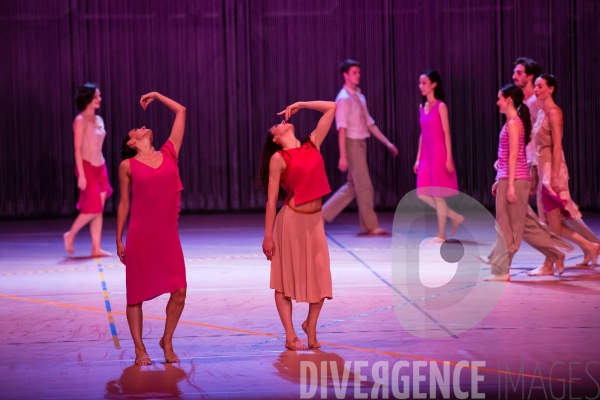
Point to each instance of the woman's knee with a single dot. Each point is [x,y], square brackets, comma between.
[179,295]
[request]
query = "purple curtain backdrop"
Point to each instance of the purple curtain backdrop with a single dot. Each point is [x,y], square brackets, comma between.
[235,63]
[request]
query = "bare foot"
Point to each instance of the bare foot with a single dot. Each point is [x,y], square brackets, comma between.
[142,358]
[295,344]
[101,253]
[170,355]
[591,254]
[377,231]
[484,259]
[455,224]
[560,265]
[312,336]
[542,270]
[68,243]
[497,278]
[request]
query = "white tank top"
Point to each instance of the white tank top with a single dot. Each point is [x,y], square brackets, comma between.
[92,140]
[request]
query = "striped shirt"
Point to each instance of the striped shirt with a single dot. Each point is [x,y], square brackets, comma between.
[522,172]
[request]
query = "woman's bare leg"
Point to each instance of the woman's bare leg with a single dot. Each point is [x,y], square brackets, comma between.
[443,212]
[174,310]
[284,307]
[590,249]
[135,319]
[310,325]
[96,232]
[69,237]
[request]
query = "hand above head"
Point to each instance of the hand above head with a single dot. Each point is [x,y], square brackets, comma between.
[290,110]
[147,99]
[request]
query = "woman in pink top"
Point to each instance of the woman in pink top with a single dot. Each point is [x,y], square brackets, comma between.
[554,175]
[153,256]
[436,174]
[295,241]
[512,180]
[90,169]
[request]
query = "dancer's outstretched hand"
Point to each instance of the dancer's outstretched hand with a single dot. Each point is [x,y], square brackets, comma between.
[290,110]
[268,248]
[147,99]
[121,252]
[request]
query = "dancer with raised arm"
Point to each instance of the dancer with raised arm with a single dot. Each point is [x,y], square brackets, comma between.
[153,257]
[295,241]
[355,125]
[436,173]
[554,175]
[90,169]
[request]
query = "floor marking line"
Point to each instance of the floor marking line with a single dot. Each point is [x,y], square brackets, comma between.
[109,312]
[54,303]
[425,313]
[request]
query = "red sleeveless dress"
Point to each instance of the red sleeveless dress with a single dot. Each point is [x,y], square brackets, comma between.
[154,258]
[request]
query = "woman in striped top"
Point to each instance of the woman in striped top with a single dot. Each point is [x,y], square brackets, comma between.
[512,180]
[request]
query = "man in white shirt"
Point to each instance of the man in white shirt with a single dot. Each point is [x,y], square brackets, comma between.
[355,125]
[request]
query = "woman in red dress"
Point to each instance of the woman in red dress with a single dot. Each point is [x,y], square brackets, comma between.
[90,169]
[153,256]
[295,241]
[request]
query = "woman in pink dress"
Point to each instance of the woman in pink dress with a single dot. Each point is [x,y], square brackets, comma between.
[554,175]
[90,169]
[436,173]
[295,241]
[153,256]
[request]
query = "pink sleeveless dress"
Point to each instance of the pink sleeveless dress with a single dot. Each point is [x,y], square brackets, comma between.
[154,258]
[432,177]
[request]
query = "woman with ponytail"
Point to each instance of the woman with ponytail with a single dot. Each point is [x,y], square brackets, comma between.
[512,179]
[153,256]
[559,208]
[295,241]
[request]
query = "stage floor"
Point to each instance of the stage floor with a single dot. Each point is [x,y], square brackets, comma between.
[56,340]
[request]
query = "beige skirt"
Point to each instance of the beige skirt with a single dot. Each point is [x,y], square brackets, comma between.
[300,267]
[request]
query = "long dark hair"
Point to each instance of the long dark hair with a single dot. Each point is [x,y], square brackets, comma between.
[517,96]
[551,82]
[85,95]
[269,149]
[438,90]
[126,151]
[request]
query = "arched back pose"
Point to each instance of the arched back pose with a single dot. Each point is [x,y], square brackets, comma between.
[90,168]
[553,173]
[153,256]
[436,173]
[295,241]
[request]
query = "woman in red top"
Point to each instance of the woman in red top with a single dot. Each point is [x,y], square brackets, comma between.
[154,259]
[295,241]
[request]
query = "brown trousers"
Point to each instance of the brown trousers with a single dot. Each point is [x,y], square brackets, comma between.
[358,186]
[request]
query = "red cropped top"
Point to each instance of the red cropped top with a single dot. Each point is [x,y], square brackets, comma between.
[304,176]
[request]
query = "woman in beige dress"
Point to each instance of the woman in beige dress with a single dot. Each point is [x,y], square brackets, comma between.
[552,169]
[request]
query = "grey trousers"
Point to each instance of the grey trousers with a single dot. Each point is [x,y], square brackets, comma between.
[358,185]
